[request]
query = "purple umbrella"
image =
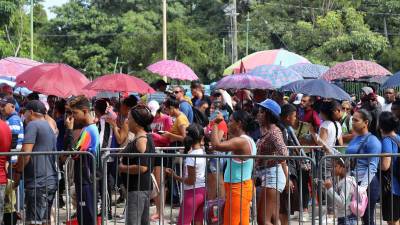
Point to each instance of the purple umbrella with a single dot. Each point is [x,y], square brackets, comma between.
[173,69]
[243,81]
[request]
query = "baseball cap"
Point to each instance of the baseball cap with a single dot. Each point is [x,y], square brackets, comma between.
[36,106]
[153,106]
[8,99]
[367,90]
[272,106]
[298,98]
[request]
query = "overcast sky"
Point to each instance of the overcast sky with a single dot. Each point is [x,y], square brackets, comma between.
[50,3]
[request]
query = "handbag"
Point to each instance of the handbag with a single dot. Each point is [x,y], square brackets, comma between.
[359,200]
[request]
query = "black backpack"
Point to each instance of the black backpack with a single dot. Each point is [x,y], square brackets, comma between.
[199,117]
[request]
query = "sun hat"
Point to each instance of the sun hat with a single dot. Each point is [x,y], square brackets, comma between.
[272,106]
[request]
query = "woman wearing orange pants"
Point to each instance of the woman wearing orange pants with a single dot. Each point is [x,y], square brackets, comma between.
[237,176]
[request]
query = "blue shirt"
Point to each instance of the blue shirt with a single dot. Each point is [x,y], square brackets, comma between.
[186,108]
[371,146]
[389,146]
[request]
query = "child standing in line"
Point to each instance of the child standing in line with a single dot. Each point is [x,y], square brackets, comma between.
[194,178]
[342,193]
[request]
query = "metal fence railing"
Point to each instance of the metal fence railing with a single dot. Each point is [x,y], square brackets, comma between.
[212,208]
[93,189]
[355,176]
[32,187]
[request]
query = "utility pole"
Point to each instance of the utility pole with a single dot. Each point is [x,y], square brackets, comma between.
[31,29]
[165,29]
[234,37]
[248,20]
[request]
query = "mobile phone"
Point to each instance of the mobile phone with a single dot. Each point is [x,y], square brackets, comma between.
[160,132]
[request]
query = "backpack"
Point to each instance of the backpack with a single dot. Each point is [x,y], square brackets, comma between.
[199,117]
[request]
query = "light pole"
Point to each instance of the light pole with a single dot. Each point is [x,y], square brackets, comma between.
[248,20]
[31,29]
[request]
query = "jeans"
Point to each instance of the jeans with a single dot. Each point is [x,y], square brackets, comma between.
[137,210]
[373,197]
[348,220]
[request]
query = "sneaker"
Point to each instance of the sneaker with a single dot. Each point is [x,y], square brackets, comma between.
[305,218]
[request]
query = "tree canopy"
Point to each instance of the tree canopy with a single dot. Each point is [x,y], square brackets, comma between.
[93,35]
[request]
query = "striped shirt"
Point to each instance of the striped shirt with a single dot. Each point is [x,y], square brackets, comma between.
[17,131]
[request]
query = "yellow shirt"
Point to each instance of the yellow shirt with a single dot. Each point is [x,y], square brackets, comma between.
[181,120]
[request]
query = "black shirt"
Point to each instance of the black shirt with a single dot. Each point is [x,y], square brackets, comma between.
[139,182]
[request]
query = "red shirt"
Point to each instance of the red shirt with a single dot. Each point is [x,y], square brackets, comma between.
[311,116]
[5,146]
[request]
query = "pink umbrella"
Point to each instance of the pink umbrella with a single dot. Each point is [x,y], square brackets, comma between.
[54,79]
[14,66]
[120,83]
[354,69]
[173,69]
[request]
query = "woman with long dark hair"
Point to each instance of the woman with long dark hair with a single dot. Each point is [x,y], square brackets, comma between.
[238,174]
[273,173]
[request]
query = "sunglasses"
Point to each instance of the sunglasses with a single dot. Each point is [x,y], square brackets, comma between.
[177,92]
[347,109]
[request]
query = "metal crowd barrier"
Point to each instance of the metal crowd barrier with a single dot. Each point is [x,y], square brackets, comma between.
[177,194]
[43,190]
[379,202]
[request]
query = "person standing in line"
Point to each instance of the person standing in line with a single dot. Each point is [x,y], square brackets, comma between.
[5,146]
[184,106]
[8,111]
[136,171]
[390,97]
[238,174]
[365,169]
[88,141]
[192,206]
[40,172]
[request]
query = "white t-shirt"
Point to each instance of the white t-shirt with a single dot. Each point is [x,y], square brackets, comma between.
[330,127]
[387,107]
[200,165]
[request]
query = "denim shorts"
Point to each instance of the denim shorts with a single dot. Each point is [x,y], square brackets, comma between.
[38,204]
[272,177]
[217,165]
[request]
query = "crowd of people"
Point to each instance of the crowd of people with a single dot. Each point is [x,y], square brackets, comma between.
[231,124]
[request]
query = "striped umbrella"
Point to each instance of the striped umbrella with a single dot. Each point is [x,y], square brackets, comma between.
[280,57]
[355,69]
[276,75]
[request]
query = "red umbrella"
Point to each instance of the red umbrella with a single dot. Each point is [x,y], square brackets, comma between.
[354,69]
[120,83]
[53,79]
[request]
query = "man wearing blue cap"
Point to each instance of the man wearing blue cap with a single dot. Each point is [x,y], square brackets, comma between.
[9,113]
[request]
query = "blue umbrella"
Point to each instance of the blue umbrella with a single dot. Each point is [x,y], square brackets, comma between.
[308,70]
[392,82]
[320,88]
[276,75]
